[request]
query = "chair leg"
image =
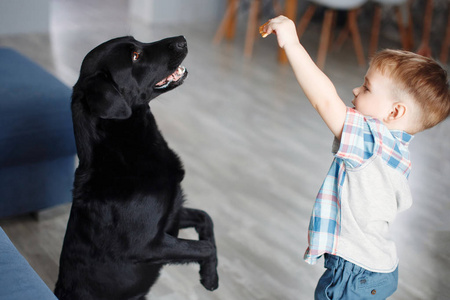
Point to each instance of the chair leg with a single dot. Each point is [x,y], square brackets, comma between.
[375,31]
[352,18]
[251,27]
[401,28]
[343,35]
[325,37]
[277,7]
[228,24]
[333,26]
[446,42]
[291,13]
[410,28]
[424,47]
[304,21]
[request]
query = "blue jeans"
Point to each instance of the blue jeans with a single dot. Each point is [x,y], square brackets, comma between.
[345,280]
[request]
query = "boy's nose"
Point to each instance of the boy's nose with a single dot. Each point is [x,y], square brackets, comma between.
[355,91]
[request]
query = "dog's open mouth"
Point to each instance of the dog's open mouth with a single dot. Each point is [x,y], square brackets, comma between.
[179,73]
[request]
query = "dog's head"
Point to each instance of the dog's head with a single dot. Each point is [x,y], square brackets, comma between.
[122,73]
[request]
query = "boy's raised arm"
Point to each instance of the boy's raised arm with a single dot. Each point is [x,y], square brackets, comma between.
[317,87]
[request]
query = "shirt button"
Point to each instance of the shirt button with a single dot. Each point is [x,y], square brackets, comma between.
[373,292]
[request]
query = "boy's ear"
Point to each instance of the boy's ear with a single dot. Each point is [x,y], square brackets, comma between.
[398,111]
[104,100]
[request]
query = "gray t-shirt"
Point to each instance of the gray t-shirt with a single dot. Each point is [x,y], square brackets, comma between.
[369,181]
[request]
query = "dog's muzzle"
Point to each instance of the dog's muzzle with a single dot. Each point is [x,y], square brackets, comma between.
[174,77]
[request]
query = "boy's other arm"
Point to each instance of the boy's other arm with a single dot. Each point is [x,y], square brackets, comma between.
[317,87]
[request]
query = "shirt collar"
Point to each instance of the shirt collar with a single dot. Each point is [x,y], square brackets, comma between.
[402,136]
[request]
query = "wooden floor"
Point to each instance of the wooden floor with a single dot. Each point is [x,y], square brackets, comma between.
[255,153]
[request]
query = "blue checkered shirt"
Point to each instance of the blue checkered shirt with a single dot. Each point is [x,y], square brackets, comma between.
[362,138]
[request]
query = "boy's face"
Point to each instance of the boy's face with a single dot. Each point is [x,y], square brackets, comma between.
[374,98]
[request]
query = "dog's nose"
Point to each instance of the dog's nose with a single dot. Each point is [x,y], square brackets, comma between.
[179,44]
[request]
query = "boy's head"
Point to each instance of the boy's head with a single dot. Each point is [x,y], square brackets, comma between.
[417,82]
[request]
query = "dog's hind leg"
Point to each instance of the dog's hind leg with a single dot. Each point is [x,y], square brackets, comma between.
[203,224]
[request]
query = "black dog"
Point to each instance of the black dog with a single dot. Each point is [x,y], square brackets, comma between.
[127,199]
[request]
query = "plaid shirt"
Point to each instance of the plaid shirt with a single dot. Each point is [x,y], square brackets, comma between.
[362,137]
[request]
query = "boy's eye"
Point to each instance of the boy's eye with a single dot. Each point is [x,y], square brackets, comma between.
[365,88]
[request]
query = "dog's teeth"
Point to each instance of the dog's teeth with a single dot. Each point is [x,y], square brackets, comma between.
[164,85]
[181,70]
[174,77]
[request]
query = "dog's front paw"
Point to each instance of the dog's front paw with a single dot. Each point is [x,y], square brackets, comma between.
[210,283]
[208,274]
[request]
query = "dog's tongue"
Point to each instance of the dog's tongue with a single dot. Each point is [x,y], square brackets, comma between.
[172,77]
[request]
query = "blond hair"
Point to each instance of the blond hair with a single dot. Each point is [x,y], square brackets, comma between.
[421,78]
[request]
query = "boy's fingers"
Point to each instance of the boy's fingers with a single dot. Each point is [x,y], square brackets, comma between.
[265,29]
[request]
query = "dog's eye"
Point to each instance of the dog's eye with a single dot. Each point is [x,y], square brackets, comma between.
[135,55]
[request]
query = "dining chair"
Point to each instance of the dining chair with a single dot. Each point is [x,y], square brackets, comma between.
[331,7]
[227,27]
[405,32]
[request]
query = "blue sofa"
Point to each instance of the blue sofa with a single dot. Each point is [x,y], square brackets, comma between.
[18,280]
[37,147]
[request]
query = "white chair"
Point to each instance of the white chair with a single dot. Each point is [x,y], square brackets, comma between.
[351,6]
[404,31]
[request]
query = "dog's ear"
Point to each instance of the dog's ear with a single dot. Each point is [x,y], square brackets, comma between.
[104,100]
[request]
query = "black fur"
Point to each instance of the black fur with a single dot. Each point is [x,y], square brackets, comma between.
[127,199]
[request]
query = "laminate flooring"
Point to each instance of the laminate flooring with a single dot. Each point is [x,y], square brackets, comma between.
[255,154]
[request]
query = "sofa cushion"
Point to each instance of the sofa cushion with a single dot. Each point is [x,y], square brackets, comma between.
[35,117]
[18,280]
[33,187]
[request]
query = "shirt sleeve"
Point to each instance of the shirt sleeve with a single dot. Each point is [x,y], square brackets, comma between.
[357,141]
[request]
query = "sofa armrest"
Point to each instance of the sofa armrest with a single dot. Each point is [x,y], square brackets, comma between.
[18,280]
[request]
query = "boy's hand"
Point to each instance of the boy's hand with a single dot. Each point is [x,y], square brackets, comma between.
[283,27]
[318,88]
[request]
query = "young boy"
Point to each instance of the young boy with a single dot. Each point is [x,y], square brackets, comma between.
[403,93]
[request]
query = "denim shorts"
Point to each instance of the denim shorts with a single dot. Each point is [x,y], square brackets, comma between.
[345,280]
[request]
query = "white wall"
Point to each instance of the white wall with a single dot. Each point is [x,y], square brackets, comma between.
[24,16]
[177,11]
[33,16]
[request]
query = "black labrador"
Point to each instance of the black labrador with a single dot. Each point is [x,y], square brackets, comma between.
[127,200]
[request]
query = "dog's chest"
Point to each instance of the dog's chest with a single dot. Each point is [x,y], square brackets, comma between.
[137,148]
